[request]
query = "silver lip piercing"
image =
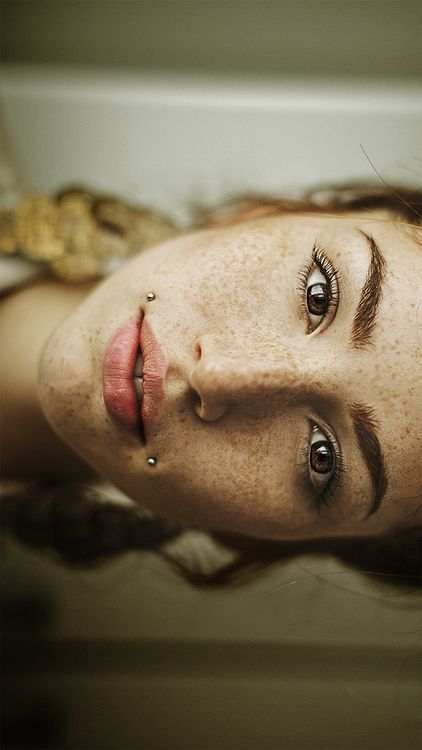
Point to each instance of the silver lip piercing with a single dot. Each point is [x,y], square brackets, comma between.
[151,461]
[150,296]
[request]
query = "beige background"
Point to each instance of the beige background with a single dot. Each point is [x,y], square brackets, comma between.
[363,38]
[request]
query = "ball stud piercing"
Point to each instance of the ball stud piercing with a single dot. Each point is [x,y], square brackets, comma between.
[151,461]
[150,296]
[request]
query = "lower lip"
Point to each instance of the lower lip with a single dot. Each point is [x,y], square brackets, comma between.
[118,367]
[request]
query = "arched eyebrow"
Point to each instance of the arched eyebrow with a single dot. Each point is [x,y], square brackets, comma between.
[370,449]
[370,297]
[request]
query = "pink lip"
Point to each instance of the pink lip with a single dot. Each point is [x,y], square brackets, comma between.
[118,368]
[119,364]
[154,371]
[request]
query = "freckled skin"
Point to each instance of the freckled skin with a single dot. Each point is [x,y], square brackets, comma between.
[245,377]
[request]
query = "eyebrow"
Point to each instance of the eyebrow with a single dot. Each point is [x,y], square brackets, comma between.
[370,297]
[364,426]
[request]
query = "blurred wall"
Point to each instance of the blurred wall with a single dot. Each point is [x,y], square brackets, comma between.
[363,38]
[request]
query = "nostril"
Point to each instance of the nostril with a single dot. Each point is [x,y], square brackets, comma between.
[196,402]
[198,351]
[199,408]
[209,398]
[208,410]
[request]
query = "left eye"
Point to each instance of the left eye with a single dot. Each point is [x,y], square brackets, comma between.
[321,458]
[317,297]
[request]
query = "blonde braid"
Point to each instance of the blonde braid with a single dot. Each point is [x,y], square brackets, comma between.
[79,235]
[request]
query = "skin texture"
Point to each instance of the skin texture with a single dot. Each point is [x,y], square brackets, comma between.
[247,378]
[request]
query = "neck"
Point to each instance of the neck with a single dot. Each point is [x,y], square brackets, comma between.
[30,447]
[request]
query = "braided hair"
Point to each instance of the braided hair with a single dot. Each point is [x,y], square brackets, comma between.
[83,530]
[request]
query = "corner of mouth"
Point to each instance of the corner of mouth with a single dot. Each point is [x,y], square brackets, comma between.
[141,432]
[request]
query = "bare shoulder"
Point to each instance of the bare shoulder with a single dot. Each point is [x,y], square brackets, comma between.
[28,316]
[44,293]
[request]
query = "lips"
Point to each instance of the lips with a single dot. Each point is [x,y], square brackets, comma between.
[119,377]
[154,372]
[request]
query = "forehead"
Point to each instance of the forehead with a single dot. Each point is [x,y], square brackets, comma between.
[394,362]
[411,233]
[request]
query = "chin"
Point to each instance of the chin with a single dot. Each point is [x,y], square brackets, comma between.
[65,385]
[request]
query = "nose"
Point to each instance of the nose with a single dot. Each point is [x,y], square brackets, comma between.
[228,372]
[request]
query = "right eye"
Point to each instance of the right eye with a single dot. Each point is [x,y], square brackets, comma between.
[319,289]
[317,297]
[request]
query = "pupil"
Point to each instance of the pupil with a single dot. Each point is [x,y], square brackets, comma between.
[321,458]
[317,298]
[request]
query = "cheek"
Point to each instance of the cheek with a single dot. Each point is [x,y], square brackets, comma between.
[222,482]
[243,282]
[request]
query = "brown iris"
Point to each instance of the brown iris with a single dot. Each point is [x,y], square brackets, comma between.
[321,457]
[318,299]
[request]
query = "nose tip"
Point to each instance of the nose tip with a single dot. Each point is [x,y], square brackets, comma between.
[208,380]
[233,372]
[210,402]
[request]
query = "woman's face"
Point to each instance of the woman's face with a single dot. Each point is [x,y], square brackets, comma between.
[291,353]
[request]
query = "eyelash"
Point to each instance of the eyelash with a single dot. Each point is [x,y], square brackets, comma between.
[321,261]
[325,497]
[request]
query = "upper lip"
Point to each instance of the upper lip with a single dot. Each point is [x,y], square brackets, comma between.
[154,372]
